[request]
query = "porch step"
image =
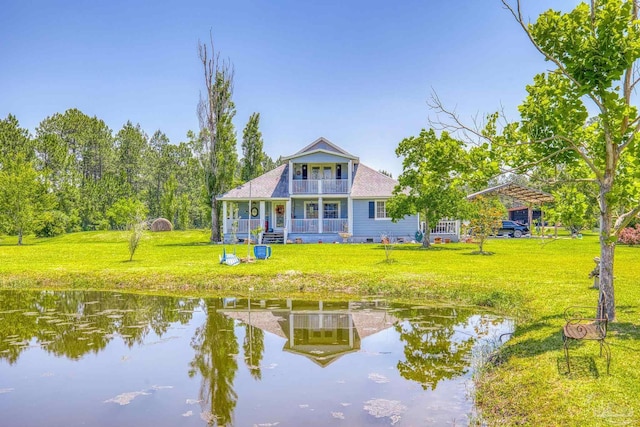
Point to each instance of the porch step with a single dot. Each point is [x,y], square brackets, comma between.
[273,237]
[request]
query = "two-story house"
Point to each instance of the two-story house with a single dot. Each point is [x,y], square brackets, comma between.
[322,193]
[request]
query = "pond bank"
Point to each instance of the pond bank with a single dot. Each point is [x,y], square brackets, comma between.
[526,279]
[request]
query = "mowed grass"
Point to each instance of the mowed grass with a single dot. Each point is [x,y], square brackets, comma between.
[526,383]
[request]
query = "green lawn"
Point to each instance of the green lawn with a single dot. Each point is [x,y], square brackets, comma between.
[525,384]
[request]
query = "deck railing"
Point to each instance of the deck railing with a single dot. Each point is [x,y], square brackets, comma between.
[320,186]
[446,227]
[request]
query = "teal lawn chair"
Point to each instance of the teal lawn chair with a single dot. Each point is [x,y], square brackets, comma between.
[262,251]
[229,259]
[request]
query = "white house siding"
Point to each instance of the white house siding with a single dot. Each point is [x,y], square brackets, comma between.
[365,228]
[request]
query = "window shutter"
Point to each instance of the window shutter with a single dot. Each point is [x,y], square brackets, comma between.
[372,209]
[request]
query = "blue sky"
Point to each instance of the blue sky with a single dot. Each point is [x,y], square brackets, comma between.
[356,72]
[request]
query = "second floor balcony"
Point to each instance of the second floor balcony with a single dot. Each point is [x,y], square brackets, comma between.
[320,186]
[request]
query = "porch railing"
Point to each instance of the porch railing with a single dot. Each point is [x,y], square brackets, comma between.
[320,186]
[446,227]
[311,225]
[335,225]
[244,225]
[304,226]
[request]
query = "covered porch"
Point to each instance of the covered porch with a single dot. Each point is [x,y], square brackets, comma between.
[305,217]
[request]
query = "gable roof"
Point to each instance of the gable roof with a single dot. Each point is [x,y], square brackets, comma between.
[369,182]
[273,184]
[322,145]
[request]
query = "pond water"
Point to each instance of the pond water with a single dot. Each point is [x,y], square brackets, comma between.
[106,359]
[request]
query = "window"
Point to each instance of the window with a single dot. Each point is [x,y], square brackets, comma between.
[381,210]
[326,172]
[315,172]
[311,210]
[331,210]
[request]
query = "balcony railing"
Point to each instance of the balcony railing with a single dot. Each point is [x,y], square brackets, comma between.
[320,186]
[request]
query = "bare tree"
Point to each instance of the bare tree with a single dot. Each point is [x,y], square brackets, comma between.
[218,154]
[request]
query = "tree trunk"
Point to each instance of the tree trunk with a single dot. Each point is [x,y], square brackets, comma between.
[426,238]
[607,250]
[20,237]
[215,225]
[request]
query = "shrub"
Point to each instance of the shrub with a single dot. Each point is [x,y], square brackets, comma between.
[50,224]
[630,236]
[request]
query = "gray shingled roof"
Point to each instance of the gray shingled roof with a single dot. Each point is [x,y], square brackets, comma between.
[368,182]
[273,184]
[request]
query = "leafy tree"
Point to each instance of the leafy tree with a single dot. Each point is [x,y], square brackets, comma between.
[14,141]
[126,211]
[157,170]
[485,219]
[430,182]
[130,145]
[136,231]
[268,163]
[218,154]
[18,196]
[169,199]
[20,189]
[592,50]
[50,223]
[253,156]
[76,153]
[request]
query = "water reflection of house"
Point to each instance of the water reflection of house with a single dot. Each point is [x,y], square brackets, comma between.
[320,331]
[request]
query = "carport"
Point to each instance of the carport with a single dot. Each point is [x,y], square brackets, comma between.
[530,196]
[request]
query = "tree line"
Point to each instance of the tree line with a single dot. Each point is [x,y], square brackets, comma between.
[76,174]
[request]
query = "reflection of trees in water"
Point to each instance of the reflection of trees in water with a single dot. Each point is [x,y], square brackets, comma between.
[75,323]
[253,347]
[431,351]
[216,348]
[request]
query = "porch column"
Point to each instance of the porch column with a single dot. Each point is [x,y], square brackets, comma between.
[287,220]
[349,173]
[350,214]
[262,214]
[290,177]
[224,218]
[320,215]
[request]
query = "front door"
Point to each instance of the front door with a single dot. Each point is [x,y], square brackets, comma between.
[279,215]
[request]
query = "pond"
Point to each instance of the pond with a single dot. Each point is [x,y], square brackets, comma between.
[104,359]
